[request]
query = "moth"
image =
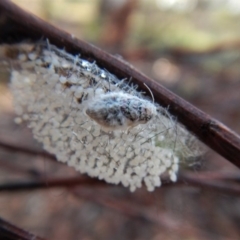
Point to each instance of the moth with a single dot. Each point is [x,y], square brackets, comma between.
[118,110]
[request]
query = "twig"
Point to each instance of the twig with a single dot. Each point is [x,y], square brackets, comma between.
[11,232]
[16,169]
[17,25]
[219,183]
[50,183]
[26,150]
[181,53]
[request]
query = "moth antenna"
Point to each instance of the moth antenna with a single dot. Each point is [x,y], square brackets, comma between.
[48,44]
[150,92]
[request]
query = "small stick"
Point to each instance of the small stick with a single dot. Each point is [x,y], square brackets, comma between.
[10,232]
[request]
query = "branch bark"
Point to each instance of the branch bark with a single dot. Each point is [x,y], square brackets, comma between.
[219,182]
[11,232]
[17,25]
[47,183]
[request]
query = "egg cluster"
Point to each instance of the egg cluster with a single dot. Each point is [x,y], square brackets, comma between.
[94,122]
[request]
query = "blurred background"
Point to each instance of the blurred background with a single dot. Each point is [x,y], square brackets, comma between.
[192,47]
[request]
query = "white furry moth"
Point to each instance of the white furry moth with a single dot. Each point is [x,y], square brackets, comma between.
[117,110]
[95,122]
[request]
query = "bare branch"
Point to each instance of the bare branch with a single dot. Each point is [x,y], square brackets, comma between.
[220,182]
[25,150]
[11,232]
[50,183]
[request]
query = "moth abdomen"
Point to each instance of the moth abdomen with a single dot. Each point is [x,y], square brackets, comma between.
[117,110]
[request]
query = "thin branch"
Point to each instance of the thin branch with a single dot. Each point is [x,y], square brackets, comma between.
[50,183]
[181,53]
[17,25]
[16,169]
[11,232]
[220,183]
[26,150]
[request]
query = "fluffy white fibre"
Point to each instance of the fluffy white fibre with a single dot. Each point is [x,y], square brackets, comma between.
[52,90]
